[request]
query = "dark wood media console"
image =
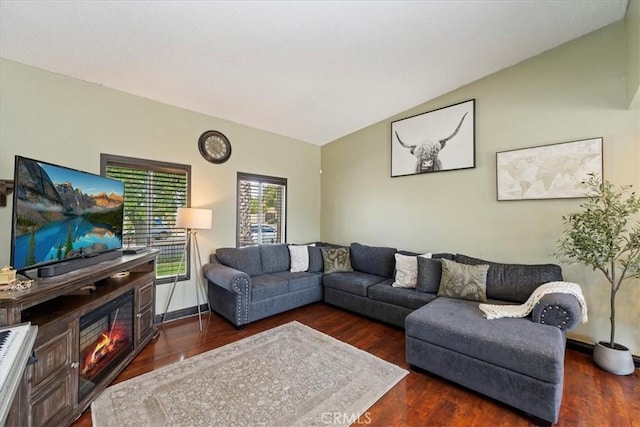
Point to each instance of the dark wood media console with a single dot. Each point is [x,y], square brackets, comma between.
[49,390]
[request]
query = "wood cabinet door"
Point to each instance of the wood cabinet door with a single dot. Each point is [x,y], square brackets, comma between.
[53,378]
[145,300]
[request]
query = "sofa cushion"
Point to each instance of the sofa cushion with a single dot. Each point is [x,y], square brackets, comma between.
[463,281]
[336,260]
[429,275]
[245,259]
[274,257]
[300,280]
[375,260]
[353,282]
[267,285]
[514,282]
[403,297]
[518,345]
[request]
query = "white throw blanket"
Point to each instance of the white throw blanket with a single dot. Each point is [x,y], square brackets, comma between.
[492,311]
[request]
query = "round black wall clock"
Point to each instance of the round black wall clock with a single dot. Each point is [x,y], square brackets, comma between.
[214,146]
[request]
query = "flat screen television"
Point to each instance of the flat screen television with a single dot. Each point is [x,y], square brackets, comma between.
[61,214]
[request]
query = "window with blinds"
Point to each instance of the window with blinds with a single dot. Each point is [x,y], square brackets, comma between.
[153,193]
[261,211]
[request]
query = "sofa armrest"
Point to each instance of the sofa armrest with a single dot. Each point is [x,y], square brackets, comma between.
[236,285]
[226,277]
[561,310]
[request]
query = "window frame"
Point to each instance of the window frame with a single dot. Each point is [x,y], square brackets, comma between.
[263,179]
[156,166]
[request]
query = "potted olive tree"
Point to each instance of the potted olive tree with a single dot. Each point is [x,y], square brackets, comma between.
[602,235]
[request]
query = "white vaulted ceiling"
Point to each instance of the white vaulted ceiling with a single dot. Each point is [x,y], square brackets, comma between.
[311,70]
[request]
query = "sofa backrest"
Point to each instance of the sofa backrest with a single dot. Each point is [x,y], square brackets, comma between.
[275,258]
[514,282]
[256,260]
[245,259]
[376,260]
[436,255]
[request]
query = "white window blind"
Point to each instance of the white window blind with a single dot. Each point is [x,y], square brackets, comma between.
[153,193]
[261,211]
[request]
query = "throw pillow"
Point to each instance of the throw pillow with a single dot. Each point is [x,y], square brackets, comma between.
[463,281]
[336,260]
[429,275]
[315,260]
[407,271]
[299,258]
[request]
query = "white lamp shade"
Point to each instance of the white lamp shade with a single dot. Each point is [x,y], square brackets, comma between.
[194,218]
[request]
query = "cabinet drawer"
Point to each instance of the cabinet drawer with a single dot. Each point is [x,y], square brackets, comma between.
[53,356]
[144,297]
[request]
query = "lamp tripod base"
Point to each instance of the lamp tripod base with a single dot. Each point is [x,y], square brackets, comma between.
[191,236]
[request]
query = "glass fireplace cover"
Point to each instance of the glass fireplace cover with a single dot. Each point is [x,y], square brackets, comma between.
[106,338]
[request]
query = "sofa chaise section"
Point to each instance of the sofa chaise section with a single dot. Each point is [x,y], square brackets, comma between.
[518,361]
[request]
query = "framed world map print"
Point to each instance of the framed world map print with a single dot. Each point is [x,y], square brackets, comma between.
[556,171]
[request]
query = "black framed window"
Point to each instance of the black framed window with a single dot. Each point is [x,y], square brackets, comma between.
[153,193]
[261,211]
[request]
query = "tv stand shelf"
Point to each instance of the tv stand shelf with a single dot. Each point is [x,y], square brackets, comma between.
[69,306]
[48,393]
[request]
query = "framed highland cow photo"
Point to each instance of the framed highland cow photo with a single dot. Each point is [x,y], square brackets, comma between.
[436,141]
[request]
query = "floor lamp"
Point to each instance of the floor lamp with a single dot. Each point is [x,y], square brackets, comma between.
[191,219]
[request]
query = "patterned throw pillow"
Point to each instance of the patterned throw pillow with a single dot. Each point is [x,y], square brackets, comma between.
[299,255]
[407,271]
[336,260]
[463,281]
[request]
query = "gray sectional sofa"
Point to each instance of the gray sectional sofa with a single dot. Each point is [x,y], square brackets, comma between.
[519,362]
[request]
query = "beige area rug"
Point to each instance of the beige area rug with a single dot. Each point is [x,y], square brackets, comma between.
[291,375]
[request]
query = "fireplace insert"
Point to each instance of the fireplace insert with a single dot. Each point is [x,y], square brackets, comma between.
[106,338]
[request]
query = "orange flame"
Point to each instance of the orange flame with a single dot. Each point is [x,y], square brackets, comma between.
[104,345]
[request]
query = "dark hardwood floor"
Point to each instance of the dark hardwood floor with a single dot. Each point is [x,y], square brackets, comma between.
[592,397]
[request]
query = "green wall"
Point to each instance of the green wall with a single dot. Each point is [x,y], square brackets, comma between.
[632,21]
[66,121]
[578,90]
[575,91]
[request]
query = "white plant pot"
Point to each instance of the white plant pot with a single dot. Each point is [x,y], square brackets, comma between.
[616,360]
